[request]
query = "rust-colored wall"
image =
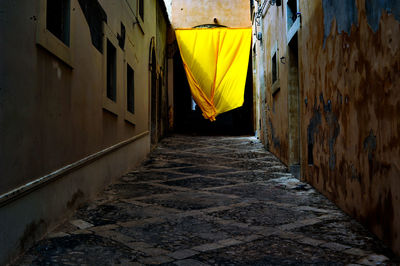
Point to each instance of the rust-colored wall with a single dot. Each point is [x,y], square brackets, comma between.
[231,13]
[349,65]
[353,90]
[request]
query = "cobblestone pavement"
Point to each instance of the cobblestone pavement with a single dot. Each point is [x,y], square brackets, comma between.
[210,201]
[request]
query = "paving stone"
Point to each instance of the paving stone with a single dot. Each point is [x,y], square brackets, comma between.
[205,170]
[207,247]
[191,200]
[312,242]
[343,230]
[263,214]
[273,251]
[126,191]
[288,235]
[212,200]
[249,238]
[310,221]
[290,226]
[229,242]
[116,236]
[82,232]
[149,251]
[199,182]
[180,233]
[146,176]
[79,250]
[356,251]
[81,224]
[189,262]
[104,227]
[183,254]
[269,231]
[373,259]
[156,260]
[121,211]
[335,246]
[246,176]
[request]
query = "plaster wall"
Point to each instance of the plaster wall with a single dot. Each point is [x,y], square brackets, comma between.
[54,112]
[231,13]
[350,80]
[349,60]
[274,104]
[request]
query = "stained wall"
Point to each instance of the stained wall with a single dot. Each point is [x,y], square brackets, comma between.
[350,77]
[349,103]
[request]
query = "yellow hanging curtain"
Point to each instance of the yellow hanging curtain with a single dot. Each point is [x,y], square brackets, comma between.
[215,62]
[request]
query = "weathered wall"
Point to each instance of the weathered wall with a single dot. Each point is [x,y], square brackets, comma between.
[349,60]
[231,13]
[350,78]
[274,106]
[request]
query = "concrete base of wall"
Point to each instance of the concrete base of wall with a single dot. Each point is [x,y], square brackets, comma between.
[29,217]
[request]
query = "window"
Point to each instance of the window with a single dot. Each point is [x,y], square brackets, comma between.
[58,19]
[111,72]
[291,12]
[95,16]
[274,69]
[53,29]
[130,89]
[141,9]
[293,20]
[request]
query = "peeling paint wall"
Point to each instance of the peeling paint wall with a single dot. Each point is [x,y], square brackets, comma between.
[353,81]
[343,12]
[349,65]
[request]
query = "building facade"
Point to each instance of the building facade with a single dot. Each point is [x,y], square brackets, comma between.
[83,95]
[328,100]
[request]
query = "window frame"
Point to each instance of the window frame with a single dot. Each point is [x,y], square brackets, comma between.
[47,40]
[108,104]
[131,60]
[139,18]
[65,35]
[130,86]
[290,32]
[140,7]
[275,85]
[111,73]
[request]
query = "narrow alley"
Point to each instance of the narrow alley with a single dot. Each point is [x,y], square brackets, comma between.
[209,201]
[182,132]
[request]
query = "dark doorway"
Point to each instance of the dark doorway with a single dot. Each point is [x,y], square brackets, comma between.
[294,107]
[188,118]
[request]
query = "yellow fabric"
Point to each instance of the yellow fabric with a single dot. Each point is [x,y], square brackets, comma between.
[215,62]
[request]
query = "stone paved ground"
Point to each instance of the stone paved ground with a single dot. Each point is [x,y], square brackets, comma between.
[210,201]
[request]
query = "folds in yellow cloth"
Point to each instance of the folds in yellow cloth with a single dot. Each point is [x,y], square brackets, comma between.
[215,62]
